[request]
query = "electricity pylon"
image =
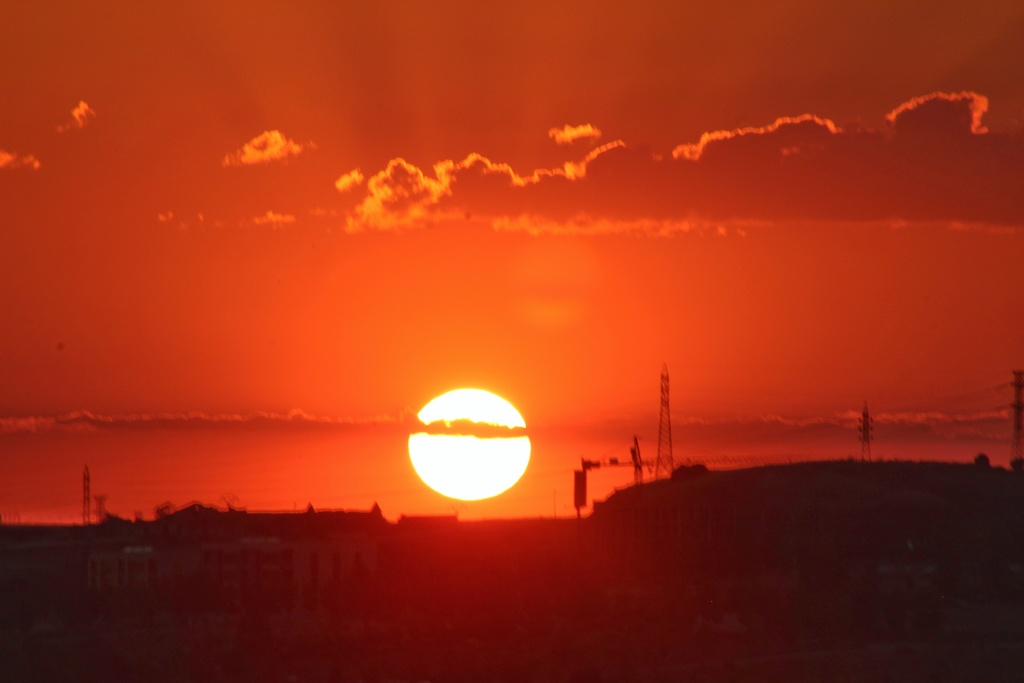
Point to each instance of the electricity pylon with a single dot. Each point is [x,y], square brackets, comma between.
[664,464]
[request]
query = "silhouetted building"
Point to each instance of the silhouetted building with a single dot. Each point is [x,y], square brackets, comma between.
[132,566]
[662,579]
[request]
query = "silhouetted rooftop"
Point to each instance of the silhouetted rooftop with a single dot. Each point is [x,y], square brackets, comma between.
[830,484]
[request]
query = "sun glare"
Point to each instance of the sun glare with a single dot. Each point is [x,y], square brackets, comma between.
[464,466]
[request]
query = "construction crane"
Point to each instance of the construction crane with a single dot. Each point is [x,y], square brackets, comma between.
[579,489]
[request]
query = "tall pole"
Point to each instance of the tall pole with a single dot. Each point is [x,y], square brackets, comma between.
[86,498]
[664,464]
[866,428]
[1017,450]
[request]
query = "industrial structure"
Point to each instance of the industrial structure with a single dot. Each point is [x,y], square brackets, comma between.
[663,467]
[579,489]
[664,464]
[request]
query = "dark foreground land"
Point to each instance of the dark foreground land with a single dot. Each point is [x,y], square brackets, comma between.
[831,572]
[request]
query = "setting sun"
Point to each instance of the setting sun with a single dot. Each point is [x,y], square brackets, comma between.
[460,464]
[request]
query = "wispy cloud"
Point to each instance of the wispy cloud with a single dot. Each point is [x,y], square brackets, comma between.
[929,417]
[12,160]
[948,426]
[80,115]
[693,151]
[942,108]
[84,420]
[403,195]
[186,223]
[349,181]
[567,134]
[931,166]
[588,225]
[268,146]
[274,219]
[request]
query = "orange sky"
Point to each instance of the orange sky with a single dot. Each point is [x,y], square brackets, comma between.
[347,210]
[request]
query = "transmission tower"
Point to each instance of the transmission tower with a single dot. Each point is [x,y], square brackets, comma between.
[867,427]
[1017,450]
[86,498]
[664,464]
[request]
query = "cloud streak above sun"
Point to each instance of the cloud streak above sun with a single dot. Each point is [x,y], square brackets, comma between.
[349,180]
[952,104]
[274,219]
[12,160]
[934,163]
[80,115]
[693,151]
[87,420]
[403,194]
[570,134]
[948,425]
[268,146]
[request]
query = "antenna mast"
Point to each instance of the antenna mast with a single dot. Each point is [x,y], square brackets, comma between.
[664,464]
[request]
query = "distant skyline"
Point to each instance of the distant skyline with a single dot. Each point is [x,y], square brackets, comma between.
[214,220]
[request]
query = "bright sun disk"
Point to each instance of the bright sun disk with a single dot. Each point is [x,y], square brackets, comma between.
[464,466]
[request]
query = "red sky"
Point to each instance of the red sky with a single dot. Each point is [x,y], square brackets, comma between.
[227,214]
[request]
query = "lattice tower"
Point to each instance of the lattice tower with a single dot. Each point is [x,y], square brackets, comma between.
[664,464]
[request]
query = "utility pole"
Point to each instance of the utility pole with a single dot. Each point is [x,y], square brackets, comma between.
[1017,449]
[664,463]
[867,427]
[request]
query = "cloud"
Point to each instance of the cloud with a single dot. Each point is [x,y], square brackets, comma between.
[889,426]
[955,112]
[588,225]
[480,430]
[403,195]
[693,151]
[570,134]
[931,418]
[84,420]
[270,145]
[274,219]
[930,165]
[80,115]
[349,180]
[987,424]
[14,160]
[186,223]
